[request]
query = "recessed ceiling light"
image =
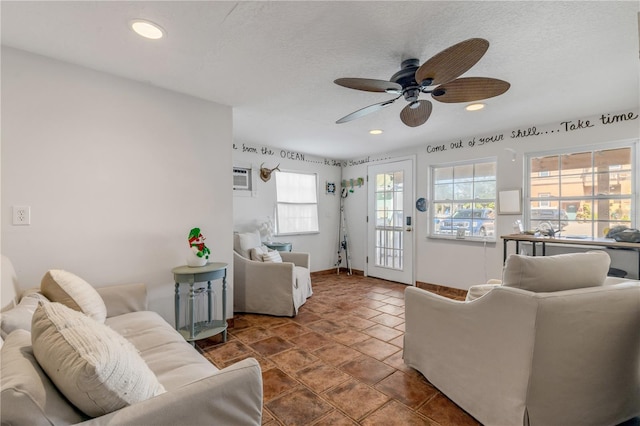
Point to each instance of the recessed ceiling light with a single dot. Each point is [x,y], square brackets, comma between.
[375,132]
[474,107]
[147,29]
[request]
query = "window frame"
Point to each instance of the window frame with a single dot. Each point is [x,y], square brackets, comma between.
[528,198]
[434,219]
[278,225]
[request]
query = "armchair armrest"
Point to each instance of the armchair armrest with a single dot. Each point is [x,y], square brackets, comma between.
[125,298]
[298,258]
[232,396]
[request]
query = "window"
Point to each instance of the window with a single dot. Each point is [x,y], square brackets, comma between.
[297,203]
[580,193]
[464,199]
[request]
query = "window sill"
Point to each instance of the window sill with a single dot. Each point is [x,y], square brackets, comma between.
[489,240]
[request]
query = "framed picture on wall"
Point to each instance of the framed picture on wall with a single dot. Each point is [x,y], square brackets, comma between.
[510,201]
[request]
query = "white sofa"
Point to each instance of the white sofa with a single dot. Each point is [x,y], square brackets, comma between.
[517,356]
[270,288]
[196,392]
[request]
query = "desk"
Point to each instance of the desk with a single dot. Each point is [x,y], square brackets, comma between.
[194,330]
[589,242]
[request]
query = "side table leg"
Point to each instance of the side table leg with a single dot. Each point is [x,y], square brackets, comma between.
[192,314]
[177,305]
[224,305]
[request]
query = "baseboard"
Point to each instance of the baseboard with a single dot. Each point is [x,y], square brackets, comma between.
[334,271]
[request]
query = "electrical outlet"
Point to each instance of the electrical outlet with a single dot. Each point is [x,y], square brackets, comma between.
[21,215]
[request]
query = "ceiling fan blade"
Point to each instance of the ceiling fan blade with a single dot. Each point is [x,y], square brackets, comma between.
[470,89]
[369,85]
[366,110]
[452,62]
[416,113]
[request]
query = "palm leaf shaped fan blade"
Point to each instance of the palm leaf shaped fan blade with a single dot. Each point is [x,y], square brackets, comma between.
[416,113]
[470,89]
[452,62]
[366,110]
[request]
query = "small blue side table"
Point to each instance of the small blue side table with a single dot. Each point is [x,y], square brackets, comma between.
[275,245]
[190,275]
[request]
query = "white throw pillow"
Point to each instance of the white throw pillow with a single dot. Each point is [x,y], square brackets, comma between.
[28,397]
[272,256]
[74,292]
[556,273]
[97,369]
[19,318]
[245,241]
[257,253]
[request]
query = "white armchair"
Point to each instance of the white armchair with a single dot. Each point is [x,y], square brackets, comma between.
[267,287]
[520,357]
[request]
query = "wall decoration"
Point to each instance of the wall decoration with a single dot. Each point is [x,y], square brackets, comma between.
[198,251]
[331,188]
[509,201]
[567,126]
[421,204]
[352,183]
[288,155]
[265,174]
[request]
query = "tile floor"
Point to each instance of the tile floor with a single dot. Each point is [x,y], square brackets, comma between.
[339,361]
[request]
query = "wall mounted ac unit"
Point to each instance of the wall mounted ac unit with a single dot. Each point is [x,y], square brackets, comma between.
[241,179]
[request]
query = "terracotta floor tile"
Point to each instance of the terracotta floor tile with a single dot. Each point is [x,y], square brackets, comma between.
[253,334]
[348,336]
[398,341]
[299,408]
[270,345]
[373,304]
[267,417]
[335,418]
[376,348]
[320,377]
[366,369]
[442,410]
[401,326]
[365,312]
[392,309]
[275,382]
[306,317]
[387,319]
[356,399]
[293,360]
[375,296]
[265,363]
[410,390]
[382,332]
[311,341]
[396,301]
[290,330]
[356,322]
[233,349]
[336,354]
[395,414]
[325,326]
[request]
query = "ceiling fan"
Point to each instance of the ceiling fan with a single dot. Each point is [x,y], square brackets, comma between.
[438,76]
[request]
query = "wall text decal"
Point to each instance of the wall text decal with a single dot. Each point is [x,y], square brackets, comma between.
[533,131]
[285,154]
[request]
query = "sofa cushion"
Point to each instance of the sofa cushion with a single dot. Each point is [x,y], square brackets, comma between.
[19,318]
[556,273]
[28,397]
[272,257]
[98,370]
[74,292]
[174,362]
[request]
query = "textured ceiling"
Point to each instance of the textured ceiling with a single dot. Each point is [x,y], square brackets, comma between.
[274,62]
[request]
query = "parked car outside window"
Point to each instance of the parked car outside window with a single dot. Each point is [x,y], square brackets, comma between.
[558,218]
[475,222]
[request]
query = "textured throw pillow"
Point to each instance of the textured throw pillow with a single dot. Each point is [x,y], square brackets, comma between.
[257,253]
[244,242]
[74,292]
[28,397]
[97,369]
[19,318]
[556,273]
[272,256]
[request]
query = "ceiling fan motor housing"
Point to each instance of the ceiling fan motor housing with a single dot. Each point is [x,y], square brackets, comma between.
[406,78]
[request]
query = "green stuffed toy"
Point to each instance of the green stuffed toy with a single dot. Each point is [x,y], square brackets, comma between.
[196,242]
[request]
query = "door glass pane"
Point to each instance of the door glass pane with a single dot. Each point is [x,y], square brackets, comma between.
[389,220]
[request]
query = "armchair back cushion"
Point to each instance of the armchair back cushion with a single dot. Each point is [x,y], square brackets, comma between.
[556,273]
[245,241]
[73,292]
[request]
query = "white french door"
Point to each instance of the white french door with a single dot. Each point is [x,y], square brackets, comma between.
[390,221]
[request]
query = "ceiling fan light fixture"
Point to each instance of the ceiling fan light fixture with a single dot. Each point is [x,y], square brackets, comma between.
[147,29]
[474,107]
[376,132]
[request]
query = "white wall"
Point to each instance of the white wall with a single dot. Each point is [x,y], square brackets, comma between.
[461,264]
[251,211]
[116,173]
